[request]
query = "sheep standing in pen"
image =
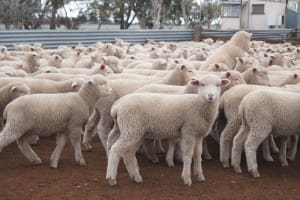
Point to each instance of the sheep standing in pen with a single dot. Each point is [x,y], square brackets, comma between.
[63,114]
[157,116]
[276,112]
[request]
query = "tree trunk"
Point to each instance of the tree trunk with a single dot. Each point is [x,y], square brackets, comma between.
[184,15]
[53,18]
[156,10]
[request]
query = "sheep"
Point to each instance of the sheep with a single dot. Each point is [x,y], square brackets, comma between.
[102,69]
[180,116]
[146,72]
[10,92]
[45,86]
[53,61]
[72,60]
[276,112]
[181,75]
[242,64]
[113,62]
[61,76]
[257,76]
[66,115]
[218,67]
[235,47]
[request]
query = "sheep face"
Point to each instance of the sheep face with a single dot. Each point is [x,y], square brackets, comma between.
[100,85]
[18,90]
[209,87]
[259,76]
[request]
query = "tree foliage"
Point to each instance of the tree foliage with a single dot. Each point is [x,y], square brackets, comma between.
[150,14]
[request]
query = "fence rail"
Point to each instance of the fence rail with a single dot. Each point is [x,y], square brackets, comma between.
[270,35]
[52,39]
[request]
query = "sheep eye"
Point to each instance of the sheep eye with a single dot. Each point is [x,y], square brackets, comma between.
[190,71]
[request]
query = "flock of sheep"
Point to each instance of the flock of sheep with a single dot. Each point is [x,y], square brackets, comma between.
[243,93]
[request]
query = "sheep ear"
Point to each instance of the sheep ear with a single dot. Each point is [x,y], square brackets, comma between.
[241,60]
[225,82]
[74,84]
[102,67]
[182,67]
[254,70]
[13,89]
[228,74]
[295,76]
[217,66]
[195,82]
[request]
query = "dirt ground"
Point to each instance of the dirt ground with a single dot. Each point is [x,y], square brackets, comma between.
[20,180]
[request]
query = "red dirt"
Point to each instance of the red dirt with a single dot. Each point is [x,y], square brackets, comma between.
[20,180]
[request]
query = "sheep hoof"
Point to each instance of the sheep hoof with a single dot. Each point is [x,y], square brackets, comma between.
[138,179]
[284,163]
[171,164]
[87,147]
[237,169]
[155,160]
[81,163]
[255,174]
[290,157]
[200,178]
[187,182]
[225,164]
[208,156]
[112,182]
[269,159]
[36,162]
[53,166]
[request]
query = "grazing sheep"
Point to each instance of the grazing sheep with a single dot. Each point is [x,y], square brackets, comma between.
[66,115]
[276,112]
[159,116]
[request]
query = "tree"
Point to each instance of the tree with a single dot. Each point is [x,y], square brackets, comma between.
[99,12]
[211,11]
[54,5]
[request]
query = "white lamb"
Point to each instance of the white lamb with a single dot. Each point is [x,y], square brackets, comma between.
[159,116]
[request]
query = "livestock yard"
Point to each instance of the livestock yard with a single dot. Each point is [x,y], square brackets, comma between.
[173,119]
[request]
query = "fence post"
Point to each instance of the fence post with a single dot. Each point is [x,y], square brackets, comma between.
[197,33]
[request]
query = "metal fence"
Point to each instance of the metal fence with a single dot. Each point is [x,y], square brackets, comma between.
[269,35]
[52,39]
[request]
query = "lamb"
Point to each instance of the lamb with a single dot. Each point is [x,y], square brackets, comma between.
[10,92]
[114,63]
[276,112]
[189,116]
[257,76]
[235,47]
[102,69]
[146,72]
[66,115]
[181,75]
[61,76]
[45,86]
[218,67]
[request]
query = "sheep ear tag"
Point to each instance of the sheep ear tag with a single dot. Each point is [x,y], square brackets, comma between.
[195,82]
[225,82]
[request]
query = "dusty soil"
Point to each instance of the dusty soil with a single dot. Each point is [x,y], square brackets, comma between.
[20,180]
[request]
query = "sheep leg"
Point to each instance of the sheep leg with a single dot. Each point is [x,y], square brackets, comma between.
[61,140]
[198,171]
[104,127]
[273,145]
[237,148]
[112,138]
[131,164]
[170,153]
[89,129]
[149,149]
[225,142]
[75,138]
[24,146]
[254,139]
[159,146]
[283,148]
[266,151]
[293,148]
[118,150]
[206,153]
[187,147]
